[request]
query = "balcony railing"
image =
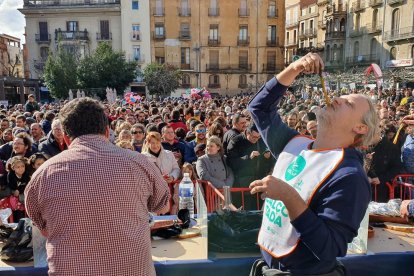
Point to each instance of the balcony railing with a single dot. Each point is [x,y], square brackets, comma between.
[184,12]
[271,68]
[374,28]
[272,13]
[374,3]
[357,32]
[336,9]
[135,36]
[158,11]
[69,35]
[307,33]
[243,41]
[214,85]
[396,2]
[213,12]
[158,35]
[45,3]
[403,33]
[42,38]
[293,23]
[104,36]
[362,59]
[185,66]
[139,58]
[309,15]
[184,35]
[39,64]
[291,42]
[244,12]
[273,42]
[213,41]
[358,6]
[337,34]
[243,67]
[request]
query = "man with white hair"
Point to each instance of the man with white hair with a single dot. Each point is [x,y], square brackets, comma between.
[54,144]
[319,192]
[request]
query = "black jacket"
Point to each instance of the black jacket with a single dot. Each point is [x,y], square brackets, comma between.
[6,151]
[16,183]
[50,146]
[228,136]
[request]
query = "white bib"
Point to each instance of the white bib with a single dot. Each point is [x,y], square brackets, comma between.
[305,170]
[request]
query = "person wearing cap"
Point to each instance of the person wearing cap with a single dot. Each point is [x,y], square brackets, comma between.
[31,104]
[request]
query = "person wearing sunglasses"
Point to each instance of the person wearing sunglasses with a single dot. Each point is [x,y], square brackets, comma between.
[200,133]
[138,136]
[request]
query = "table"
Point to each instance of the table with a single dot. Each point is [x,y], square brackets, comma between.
[390,253]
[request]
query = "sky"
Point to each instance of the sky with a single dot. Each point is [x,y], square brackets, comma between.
[11,20]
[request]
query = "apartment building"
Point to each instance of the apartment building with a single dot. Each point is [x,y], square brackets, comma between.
[79,25]
[136,37]
[308,26]
[227,46]
[292,8]
[11,56]
[398,35]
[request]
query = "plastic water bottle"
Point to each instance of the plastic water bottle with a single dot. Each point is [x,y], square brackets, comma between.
[186,192]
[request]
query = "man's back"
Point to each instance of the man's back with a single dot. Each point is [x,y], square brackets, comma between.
[93,202]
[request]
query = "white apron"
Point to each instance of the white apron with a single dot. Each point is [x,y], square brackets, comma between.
[305,170]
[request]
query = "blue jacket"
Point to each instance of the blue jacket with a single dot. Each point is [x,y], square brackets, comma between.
[336,210]
[407,154]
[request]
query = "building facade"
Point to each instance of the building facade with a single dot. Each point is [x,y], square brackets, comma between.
[11,56]
[79,25]
[292,8]
[227,46]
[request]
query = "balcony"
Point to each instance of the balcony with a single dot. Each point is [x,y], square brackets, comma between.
[358,6]
[214,85]
[213,12]
[322,24]
[309,15]
[104,36]
[291,42]
[335,35]
[336,9]
[42,38]
[396,2]
[371,29]
[158,11]
[356,32]
[244,12]
[213,41]
[322,2]
[185,66]
[184,35]
[39,64]
[243,41]
[362,60]
[302,34]
[374,3]
[291,24]
[71,35]
[48,3]
[271,68]
[272,13]
[135,36]
[403,33]
[158,36]
[273,42]
[241,67]
[184,12]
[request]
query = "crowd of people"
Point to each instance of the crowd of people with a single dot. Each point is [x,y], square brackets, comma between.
[215,137]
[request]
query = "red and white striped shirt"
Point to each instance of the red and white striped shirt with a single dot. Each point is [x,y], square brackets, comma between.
[93,201]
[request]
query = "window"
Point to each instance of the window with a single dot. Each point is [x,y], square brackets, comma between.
[328,53]
[186,81]
[159,55]
[135,4]
[393,53]
[214,59]
[242,81]
[243,8]
[72,26]
[44,53]
[395,21]
[357,21]
[356,49]
[272,10]
[159,8]
[243,33]
[137,53]
[375,18]
[213,32]
[185,57]
[159,30]
[104,25]
[185,31]
[243,59]
[184,8]
[271,34]
[271,60]
[213,10]
[43,31]
[136,34]
[412,51]
[311,25]
[214,80]
[373,48]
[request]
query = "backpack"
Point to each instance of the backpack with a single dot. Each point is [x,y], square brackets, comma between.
[18,246]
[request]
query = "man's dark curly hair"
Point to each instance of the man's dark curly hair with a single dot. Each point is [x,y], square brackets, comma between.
[83,116]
